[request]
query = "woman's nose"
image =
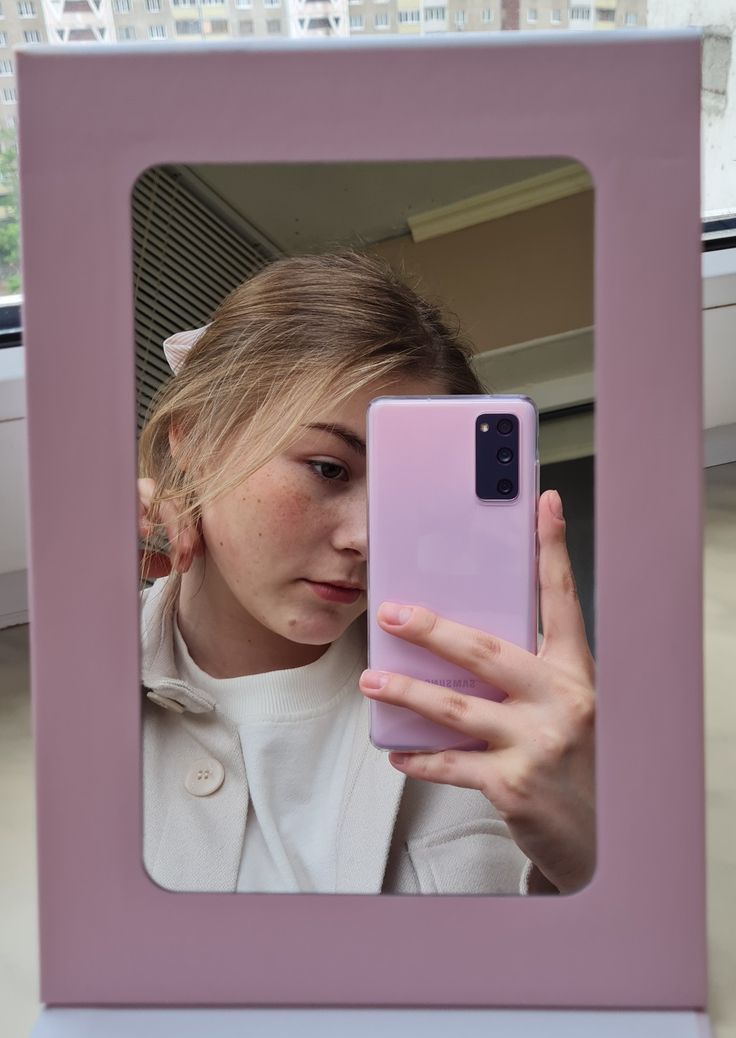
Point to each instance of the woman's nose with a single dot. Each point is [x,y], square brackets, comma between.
[351,531]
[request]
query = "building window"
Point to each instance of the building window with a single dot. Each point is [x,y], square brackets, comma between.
[244,5]
[157,32]
[3,39]
[630,18]
[2,13]
[219,26]
[184,3]
[26,9]
[10,95]
[356,21]
[191,27]
[556,16]
[579,14]
[531,14]
[127,32]
[122,6]
[409,17]
[212,3]
[351,2]
[31,36]
[245,26]
[460,18]
[153,6]
[6,67]
[435,14]
[273,26]
[272,3]
[605,14]
[487,15]
[380,21]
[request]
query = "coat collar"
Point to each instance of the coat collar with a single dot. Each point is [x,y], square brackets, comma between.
[373,790]
[158,666]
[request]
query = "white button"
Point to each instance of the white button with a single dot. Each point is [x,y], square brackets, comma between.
[205,776]
[166,702]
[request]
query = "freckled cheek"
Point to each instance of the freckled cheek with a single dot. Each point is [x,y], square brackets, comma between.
[296,523]
[274,521]
[289,509]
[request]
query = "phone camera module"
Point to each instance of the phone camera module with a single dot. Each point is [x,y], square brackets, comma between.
[497,476]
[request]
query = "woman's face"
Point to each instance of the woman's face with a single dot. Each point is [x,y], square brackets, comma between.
[288,545]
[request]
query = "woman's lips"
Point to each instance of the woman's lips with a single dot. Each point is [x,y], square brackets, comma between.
[333,593]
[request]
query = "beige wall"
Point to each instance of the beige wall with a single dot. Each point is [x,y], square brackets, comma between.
[521,277]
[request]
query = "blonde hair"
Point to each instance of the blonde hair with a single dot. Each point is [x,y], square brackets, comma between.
[304,331]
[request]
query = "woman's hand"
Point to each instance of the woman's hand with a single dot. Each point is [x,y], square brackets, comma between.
[538,769]
[184,542]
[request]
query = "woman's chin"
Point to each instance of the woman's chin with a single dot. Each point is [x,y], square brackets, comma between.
[318,630]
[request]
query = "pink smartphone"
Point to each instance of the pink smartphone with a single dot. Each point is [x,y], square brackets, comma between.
[453,484]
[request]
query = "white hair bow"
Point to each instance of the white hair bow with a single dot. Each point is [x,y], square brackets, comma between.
[178,345]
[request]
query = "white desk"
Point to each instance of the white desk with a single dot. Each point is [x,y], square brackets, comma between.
[367,1023]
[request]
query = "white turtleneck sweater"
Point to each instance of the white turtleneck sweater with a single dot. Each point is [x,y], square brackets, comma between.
[296,733]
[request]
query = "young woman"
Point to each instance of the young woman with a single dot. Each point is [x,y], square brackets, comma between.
[258,771]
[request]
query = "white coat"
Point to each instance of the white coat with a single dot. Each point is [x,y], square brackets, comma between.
[396,834]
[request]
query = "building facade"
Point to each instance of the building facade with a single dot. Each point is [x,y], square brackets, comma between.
[24,22]
[21,22]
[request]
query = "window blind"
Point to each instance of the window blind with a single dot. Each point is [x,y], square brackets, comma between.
[187,256]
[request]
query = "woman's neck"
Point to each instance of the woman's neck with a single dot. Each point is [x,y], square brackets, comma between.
[223,639]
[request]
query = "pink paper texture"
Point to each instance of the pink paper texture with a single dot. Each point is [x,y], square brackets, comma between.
[91,119]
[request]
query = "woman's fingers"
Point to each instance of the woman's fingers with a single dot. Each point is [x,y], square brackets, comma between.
[448,767]
[180,541]
[499,663]
[469,714]
[153,566]
[184,541]
[145,494]
[562,617]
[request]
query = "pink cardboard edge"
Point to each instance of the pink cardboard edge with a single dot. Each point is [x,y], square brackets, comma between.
[91,119]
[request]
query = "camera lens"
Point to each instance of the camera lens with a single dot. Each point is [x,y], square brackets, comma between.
[504,455]
[505,486]
[505,426]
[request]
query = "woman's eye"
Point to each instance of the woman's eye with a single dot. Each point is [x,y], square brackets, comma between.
[329,471]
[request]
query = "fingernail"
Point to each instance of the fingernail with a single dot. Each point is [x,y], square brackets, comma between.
[391,613]
[373,679]
[555,503]
[400,758]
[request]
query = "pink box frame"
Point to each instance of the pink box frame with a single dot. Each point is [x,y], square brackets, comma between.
[92,118]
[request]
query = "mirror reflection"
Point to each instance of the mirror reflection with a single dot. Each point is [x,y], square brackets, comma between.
[272,305]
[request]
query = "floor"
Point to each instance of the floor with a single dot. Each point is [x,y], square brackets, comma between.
[18,946]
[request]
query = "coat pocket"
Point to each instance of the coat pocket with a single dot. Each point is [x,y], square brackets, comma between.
[473,857]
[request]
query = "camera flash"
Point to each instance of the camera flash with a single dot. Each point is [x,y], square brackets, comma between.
[484,427]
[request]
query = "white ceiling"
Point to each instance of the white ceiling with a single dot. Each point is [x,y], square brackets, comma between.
[311,207]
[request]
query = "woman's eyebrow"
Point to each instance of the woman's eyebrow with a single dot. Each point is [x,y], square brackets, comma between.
[345,435]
